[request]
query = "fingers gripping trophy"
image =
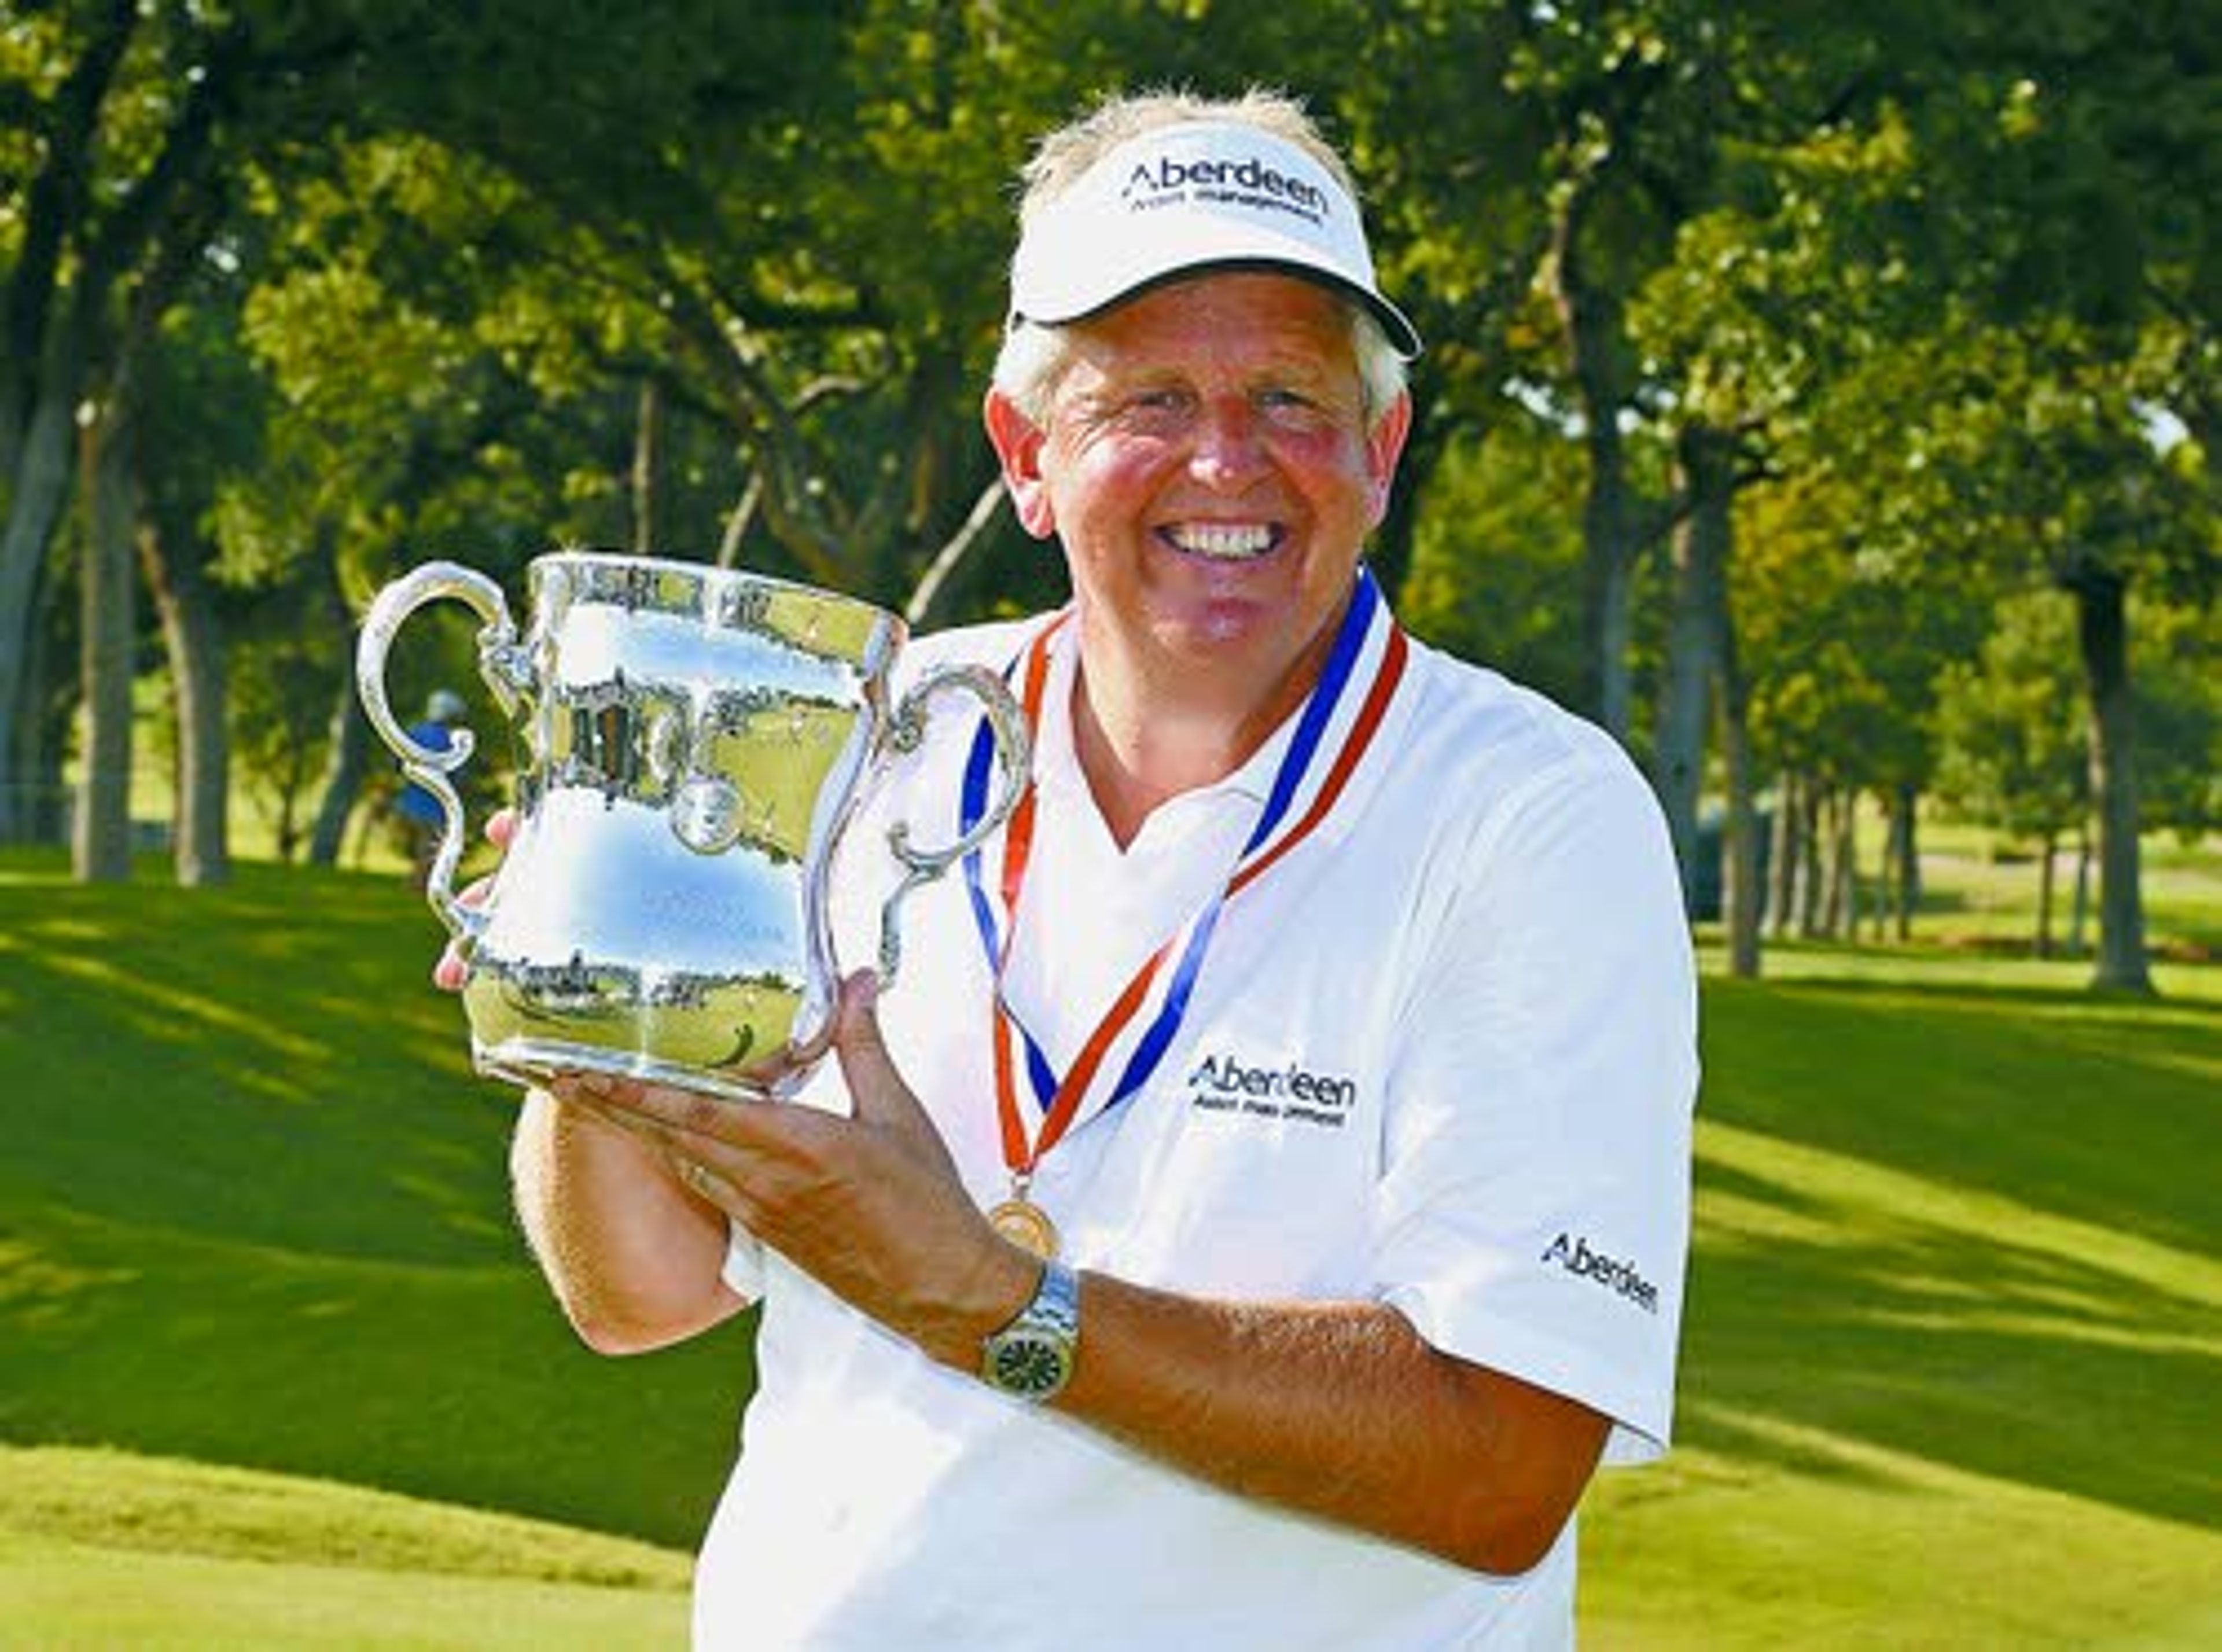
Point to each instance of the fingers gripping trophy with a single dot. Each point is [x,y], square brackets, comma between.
[694,743]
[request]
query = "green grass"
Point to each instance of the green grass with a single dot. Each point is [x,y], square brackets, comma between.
[61,1599]
[1981,890]
[253,1211]
[102,1550]
[1952,1372]
[110,1499]
[1953,1363]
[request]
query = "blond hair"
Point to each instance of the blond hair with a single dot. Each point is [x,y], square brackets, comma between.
[1063,157]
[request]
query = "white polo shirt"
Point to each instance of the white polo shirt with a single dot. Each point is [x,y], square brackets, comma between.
[1441,1056]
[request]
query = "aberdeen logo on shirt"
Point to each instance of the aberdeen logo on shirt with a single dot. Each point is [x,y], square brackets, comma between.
[1571,1252]
[1226,1083]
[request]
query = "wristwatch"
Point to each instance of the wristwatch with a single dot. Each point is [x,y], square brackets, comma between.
[1032,1358]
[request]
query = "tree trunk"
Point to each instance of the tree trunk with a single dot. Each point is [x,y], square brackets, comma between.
[1592,315]
[349,751]
[100,842]
[1906,834]
[2046,850]
[739,520]
[1783,862]
[1813,879]
[1607,581]
[42,728]
[1743,899]
[2079,912]
[1839,873]
[349,765]
[48,328]
[34,506]
[193,639]
[1878,910]
[1706,459]
[2102,625]
[1829,869]
[1848,865]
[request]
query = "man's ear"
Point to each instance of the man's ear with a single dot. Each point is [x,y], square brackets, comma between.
[1384,445]
[1017,444]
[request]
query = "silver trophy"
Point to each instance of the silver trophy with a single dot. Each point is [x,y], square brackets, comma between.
[694,742]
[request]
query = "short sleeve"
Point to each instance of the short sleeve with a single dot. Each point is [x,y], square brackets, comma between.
[1535,1205]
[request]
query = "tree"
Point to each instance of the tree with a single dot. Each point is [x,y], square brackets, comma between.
[1634,96]
[2076,162]
[1740,331]
[1498,556]
[2058,454]
[131,123]
[2180,719]
[118,112]
[2014,749]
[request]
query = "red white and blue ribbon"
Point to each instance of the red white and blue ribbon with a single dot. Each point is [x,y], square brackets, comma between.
[1332,737]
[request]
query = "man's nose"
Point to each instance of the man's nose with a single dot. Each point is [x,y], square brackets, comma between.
[1229,454]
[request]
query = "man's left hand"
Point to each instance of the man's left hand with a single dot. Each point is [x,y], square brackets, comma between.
[870,1205]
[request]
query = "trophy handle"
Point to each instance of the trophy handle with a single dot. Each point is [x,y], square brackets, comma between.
[1014,756]
[498,664]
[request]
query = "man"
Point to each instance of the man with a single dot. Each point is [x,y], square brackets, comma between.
[1324,1015]
[418,813]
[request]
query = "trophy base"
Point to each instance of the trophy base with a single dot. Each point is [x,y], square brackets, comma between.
[533,1062]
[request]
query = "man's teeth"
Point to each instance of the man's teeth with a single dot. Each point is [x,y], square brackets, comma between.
[1226,541]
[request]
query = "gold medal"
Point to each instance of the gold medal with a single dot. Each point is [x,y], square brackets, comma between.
[1027,1225]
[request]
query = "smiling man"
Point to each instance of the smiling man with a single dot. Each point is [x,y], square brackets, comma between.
[1229,1233]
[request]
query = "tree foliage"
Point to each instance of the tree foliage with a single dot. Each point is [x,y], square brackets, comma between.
[1939,286]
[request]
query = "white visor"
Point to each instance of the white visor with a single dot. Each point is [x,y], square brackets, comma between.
[1182,199]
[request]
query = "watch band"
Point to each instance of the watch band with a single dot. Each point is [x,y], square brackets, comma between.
[1032,1358]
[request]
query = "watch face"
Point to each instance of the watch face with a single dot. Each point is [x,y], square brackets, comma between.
[1029,1366]
[1032,1357]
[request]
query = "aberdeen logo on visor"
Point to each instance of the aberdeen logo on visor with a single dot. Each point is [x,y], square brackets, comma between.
[1190,197]
[1251,183]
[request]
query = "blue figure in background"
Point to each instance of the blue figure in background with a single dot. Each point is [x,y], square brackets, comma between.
[417,809]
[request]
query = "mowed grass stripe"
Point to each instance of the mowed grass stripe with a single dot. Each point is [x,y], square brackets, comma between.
[113,1499]
[71,1597]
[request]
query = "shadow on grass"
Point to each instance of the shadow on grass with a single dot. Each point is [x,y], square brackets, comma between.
[2104,1110]
[1994,1357]
[1975,1226]
[253,1209]
[2005,996]
[266,1061]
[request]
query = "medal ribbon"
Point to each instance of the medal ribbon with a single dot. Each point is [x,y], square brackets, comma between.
[1060,1099]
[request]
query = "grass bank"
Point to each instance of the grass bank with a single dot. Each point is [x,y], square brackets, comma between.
[253,1211]
[1953,1366]
[99,1550]
[1952,1377]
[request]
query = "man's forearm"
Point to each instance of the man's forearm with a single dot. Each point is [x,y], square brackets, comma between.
[1338,1410]
[635,1260]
